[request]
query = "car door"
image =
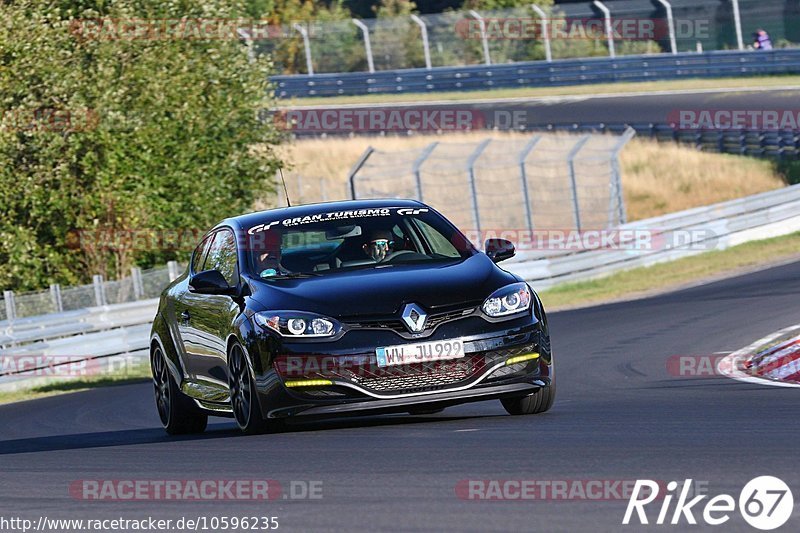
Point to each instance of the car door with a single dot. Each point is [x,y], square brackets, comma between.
[183,302]
[210,316]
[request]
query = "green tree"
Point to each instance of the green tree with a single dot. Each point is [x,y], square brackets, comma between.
[104,134]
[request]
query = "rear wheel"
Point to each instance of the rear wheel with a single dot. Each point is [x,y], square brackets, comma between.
[244,401]
[178,414]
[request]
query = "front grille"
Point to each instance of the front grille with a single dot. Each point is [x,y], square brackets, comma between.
[418,377]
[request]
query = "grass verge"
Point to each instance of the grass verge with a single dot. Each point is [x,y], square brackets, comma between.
[130,374]
[536,92]
[644,281]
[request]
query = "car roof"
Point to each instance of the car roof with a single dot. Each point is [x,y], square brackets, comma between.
[244,222]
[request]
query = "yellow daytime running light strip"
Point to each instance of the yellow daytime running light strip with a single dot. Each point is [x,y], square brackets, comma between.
[522,358]
[309,383]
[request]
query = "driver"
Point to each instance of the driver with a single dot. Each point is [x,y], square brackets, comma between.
[268,254]
[379,245]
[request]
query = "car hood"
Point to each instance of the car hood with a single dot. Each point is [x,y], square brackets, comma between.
[382,291]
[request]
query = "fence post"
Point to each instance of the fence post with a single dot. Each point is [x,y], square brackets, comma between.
[11,307]
[616,178]
[423,28]
[476,214]
[524,177]
[737,20]
[351,176]
[573,183]
[548,54]
[138,286]
[172,270]
[306,46]
[367,45]
[609,34]
[99,289]
[671,25]
[418,164]
[55,296]
[484,38]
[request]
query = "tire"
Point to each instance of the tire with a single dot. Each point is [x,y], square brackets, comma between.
[541,400]
[244,402]
[538,402]
[177,412]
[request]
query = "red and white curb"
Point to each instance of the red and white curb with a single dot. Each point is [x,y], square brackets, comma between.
[778,364]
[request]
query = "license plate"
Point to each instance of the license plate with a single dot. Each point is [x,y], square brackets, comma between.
[403,354]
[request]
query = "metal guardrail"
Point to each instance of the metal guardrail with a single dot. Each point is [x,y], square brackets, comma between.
[755,143]
[542,73]
[698,230]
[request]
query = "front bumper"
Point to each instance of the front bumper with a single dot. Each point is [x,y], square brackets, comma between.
[353,384]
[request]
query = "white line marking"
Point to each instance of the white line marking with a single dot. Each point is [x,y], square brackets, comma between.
[465,430]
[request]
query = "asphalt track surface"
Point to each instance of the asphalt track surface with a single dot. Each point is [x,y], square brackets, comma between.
[655,108]
[619,415]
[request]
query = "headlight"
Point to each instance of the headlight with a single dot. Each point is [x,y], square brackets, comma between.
[297,323]
[508,300]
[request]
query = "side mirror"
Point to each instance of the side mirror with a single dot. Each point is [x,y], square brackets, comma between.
[210,282]
[499,249]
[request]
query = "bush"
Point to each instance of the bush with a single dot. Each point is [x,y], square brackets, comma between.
[104,134]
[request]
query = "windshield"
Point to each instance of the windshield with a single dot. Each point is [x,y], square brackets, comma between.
[368,238]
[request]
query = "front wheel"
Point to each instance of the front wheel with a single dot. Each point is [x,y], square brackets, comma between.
[244,400]
[538,402]
[178,414]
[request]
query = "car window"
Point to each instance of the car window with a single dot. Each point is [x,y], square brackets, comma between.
[199,254]
[438,243]
[222,256]
[325,243]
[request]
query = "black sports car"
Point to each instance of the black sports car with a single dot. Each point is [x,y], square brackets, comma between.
[345,308]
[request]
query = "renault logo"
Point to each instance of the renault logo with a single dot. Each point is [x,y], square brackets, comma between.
[414,317]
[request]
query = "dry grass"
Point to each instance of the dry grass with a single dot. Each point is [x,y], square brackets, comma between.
[656,178]
[662,178]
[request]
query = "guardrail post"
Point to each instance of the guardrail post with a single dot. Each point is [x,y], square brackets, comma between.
[423,28]
[11,306]
[737,20]
[138,286]
[616,178]
[548,54]
[418,164]
[524,177]
[367,44]
[476,214]
[609,33]
[172,270]
[573,182]
[671,25]
[99,289]
[484,39]
[306,46]
[55,296]
[351,176]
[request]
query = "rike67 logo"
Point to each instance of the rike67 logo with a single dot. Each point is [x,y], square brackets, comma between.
[765,503]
